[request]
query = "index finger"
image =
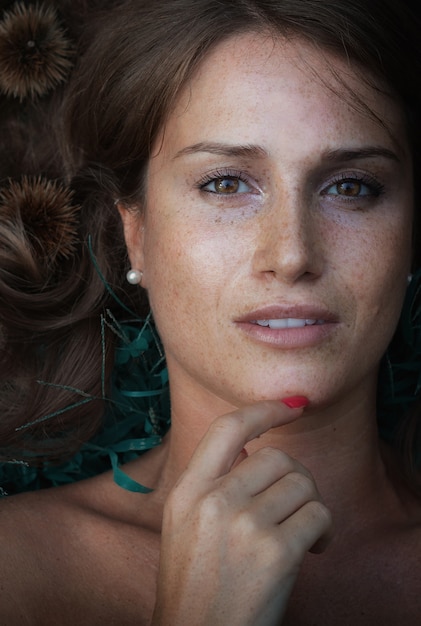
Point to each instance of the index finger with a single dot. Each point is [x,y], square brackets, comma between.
[228,434]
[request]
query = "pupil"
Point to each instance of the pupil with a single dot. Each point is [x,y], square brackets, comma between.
[226,185]
[349,188]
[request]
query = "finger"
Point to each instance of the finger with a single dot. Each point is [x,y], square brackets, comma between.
[227,435]
[323,542]
[240,458]
[308,528]
[261,470]
[283,499]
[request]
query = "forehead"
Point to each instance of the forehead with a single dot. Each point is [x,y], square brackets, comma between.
[260,81]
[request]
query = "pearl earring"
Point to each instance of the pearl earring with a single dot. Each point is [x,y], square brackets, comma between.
[134,277]
[409,279]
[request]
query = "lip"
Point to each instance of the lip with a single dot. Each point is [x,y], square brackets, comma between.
[302,311]
[289,338]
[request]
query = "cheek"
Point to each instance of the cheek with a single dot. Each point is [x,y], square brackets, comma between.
[379,259]
[186,264]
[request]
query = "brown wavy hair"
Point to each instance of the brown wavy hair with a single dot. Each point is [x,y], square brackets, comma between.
[124,87]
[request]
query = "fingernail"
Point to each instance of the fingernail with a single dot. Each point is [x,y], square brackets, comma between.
[295,402]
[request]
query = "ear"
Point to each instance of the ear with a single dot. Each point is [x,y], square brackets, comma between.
[132,219]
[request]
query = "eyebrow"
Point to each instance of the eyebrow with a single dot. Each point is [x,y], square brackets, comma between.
[250,150]
[223,149]
[367,152]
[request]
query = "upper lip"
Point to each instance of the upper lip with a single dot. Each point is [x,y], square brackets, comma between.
[289,311]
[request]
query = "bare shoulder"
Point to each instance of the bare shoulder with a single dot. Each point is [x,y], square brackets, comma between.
[28,540]
[65,552]
[400,531]
[371,573]
[389,556]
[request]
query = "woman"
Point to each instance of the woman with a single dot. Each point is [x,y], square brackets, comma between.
[261,156]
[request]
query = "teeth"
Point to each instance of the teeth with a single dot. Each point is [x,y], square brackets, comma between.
[289,322]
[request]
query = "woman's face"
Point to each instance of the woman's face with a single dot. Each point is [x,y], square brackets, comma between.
[276,238]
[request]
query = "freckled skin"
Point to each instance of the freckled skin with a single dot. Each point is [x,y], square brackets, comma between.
[209,260]
[226,527]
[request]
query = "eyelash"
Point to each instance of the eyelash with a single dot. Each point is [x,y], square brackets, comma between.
[375,188]
[221,174]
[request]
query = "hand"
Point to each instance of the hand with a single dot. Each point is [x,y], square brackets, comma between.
[236,528]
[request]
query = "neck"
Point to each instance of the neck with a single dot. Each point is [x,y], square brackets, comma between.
[338,444]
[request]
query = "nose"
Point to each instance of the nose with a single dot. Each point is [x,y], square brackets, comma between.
[289,243]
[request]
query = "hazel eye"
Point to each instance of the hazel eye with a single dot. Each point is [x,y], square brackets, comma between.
[350,188]
[226,185]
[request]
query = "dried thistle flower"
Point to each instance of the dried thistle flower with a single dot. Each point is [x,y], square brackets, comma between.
[44,209]
[35,54]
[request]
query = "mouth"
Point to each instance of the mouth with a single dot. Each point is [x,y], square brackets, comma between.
[289,316]
[289,326]
[289,322]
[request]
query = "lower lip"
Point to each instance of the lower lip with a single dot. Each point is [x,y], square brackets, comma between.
[289,338]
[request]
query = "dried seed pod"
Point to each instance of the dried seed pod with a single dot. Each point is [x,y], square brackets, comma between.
[45,211]
[35,54]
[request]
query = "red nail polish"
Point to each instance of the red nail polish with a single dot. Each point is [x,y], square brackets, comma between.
[295,402]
